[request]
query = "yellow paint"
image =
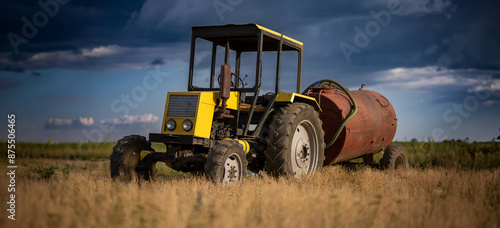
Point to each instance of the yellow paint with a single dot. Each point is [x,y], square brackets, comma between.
[202,121]
[204,115]
[279,34]
[143,153]
[294,97]
[243,143]
[210,98]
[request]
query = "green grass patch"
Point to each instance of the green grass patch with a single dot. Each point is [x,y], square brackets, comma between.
[453,154]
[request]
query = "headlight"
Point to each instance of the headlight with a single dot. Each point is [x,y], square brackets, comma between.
[187,125]
[171,125]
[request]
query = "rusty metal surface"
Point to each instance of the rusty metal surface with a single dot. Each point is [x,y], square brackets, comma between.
[368,132]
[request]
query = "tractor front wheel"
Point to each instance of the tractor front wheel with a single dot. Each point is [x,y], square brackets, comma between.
[226,162]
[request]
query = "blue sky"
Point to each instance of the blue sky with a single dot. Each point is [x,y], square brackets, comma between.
[81,70]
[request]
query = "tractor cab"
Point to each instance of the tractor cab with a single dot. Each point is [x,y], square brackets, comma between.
[242,47]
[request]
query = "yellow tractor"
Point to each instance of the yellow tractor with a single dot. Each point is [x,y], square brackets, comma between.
[223,127]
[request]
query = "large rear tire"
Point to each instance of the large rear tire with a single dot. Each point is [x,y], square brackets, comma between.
[295,145]
[395,157]
[125,161]
[226,162]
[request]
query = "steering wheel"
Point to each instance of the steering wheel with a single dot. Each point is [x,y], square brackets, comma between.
[240,81]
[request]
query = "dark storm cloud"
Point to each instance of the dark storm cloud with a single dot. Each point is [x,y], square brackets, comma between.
[75,24]
[450,34]
[157,61]
[18,57]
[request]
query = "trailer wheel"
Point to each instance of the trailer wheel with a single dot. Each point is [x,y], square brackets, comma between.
[125,161]
[395,157]
[295,145]
[226,162]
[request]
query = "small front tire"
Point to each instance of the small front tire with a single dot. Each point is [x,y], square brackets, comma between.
[226,162]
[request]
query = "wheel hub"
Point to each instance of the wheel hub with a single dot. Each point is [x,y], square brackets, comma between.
[302,154]
[231,170]
[301,149]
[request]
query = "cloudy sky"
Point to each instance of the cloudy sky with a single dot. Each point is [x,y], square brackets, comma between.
[77,70]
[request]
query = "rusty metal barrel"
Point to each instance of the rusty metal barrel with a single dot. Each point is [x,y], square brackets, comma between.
[370,130]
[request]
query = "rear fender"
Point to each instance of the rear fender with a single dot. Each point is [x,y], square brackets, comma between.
[297,97]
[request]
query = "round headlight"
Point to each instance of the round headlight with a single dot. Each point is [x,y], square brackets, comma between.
[187,125]
[171,125]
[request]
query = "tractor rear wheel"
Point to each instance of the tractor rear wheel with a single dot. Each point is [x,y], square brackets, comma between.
[395,157]
[125,161]
[295,145]
[226,162]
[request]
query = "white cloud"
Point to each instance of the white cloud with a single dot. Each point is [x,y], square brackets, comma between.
[59,123]
[147,118]
[402,73]
[486,84]
[77,56]
[430,77]
[101,51]
[431,81]
[56,56]
[85,121]
[55,123]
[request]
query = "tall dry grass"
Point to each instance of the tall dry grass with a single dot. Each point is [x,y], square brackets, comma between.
[337,197]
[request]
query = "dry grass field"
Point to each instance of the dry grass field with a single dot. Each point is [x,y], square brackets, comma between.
[79,193]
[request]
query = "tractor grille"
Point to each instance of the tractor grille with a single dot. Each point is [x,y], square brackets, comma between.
[182,105]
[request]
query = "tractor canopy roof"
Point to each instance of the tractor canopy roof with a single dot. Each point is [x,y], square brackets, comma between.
[244,38]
